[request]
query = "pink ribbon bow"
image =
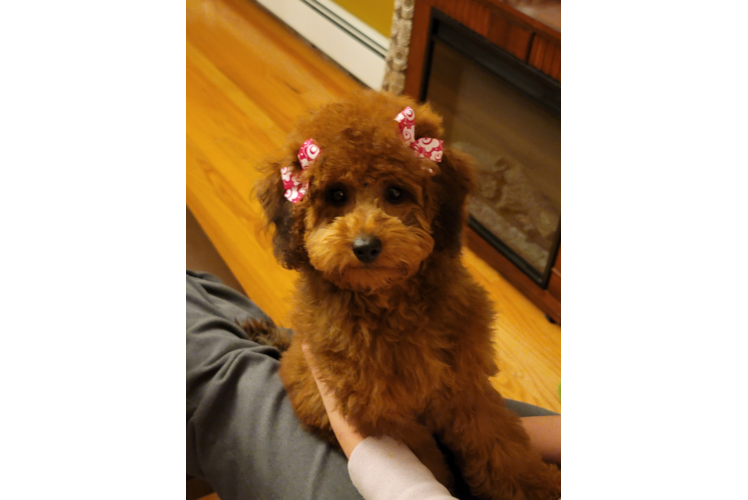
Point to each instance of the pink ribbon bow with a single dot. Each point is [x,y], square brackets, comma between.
[295,190]
[426,147]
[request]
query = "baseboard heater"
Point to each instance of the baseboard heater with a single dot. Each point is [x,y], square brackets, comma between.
[358,48]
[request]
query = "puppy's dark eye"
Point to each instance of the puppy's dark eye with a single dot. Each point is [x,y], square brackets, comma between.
[337,197]
[395,195]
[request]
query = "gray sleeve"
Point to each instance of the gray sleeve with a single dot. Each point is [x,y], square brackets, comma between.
[528,410]
[242,434]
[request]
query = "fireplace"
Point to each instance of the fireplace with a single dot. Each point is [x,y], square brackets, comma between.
[508,117]
[506,113]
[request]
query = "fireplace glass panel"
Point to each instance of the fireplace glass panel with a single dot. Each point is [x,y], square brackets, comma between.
[516,143]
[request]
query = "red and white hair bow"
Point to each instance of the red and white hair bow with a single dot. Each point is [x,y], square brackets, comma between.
[426,147]
[295,189]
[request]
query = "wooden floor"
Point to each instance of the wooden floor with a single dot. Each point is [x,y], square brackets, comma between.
[248,79]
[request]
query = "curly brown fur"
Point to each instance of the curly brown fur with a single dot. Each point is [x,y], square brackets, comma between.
[404,341]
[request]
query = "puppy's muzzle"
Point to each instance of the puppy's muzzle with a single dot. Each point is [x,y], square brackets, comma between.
[367,248]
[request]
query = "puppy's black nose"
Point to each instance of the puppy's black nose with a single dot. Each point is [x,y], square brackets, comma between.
[367,248]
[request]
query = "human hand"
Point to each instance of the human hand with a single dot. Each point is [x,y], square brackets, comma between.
[544,432]
[348,436]
[545,436]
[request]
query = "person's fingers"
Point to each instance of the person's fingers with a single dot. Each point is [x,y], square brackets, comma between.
[323,389]
[545,436]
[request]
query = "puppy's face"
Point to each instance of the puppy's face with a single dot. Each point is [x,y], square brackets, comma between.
[368,224]
[374,210]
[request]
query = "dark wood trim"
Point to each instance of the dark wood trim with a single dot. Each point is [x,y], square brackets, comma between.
[509,36]
[520,35]
[547,303]
[522,19]
[546,56]
[654,58]
[554,285]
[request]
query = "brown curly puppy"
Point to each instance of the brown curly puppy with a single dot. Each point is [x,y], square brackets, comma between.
[401,331]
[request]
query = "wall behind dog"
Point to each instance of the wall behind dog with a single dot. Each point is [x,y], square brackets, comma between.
[375,13]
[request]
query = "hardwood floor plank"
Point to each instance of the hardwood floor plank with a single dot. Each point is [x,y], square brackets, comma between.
[283,75]
[221,107]
[237,235]
[528,346]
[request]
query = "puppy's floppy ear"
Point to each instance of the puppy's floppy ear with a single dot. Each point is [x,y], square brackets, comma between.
[453,183]
[288,238]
